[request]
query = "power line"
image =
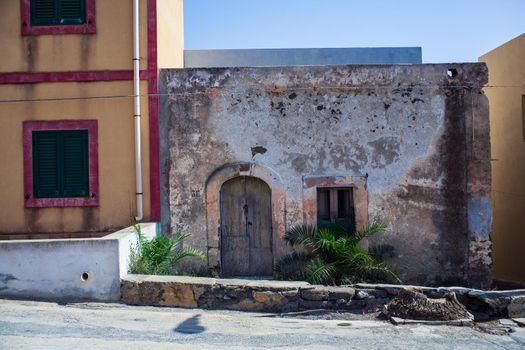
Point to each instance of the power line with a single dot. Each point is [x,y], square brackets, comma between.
[276,87]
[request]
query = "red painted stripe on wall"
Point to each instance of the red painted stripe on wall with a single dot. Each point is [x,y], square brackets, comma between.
[74,76]
[153,112]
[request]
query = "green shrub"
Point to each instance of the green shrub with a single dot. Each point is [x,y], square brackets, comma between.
[333,256]
[160,255]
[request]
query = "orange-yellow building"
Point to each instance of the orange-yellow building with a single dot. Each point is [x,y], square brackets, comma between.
[506,93]
[67,112]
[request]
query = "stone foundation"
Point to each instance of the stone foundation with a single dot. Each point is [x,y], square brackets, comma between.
[284,296]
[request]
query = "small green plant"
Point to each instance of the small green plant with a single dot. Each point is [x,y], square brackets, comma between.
[160,255]
[331,255]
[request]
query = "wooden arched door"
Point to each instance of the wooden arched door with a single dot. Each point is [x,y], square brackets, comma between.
[246,227]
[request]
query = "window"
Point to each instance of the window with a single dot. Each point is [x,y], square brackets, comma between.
[57,12]
[58,17]
[60,163]
[336,206]
[335,199]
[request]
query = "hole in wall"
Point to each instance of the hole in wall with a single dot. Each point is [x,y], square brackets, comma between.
[84,277]
[452,73]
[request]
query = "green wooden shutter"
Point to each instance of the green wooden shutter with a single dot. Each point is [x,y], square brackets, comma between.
[44,12]
[60,164]
[58,12]
[72,11]
[75,181]
[45,165]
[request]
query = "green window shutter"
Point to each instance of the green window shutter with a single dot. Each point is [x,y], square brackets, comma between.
[45,165]
[72,11]
[58,12]
[44,12]
[75,180]
[60,164]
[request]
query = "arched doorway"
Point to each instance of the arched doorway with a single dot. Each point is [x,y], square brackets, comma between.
[246,227]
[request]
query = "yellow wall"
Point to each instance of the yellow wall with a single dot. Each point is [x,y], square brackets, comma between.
[110,48]
[115,156]
[506,87]
[170,33]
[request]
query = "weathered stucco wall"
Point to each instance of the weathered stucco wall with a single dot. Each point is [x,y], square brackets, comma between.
[417,135]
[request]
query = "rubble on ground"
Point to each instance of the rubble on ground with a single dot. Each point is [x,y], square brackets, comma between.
[417,306]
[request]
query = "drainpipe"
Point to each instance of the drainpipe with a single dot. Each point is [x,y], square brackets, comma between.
[136,114]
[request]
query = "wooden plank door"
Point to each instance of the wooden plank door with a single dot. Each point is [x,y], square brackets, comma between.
[246,227]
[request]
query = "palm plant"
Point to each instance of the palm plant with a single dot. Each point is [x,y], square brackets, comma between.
[160,255]
[331,255]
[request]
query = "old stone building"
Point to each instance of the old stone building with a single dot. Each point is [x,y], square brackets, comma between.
[248,152]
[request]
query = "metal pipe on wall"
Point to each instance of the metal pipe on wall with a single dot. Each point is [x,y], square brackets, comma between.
[136,114]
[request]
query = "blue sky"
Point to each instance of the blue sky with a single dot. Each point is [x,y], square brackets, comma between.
[448,31]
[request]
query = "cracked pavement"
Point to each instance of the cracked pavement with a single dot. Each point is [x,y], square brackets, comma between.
[43,325]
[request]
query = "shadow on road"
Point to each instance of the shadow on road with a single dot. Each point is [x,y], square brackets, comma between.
[190,326]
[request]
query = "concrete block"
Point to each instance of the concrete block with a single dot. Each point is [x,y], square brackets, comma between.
[68,269]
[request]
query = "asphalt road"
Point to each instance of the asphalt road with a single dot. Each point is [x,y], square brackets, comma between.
[37,325]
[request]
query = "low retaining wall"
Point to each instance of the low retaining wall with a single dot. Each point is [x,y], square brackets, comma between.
[67,269]
[283,296]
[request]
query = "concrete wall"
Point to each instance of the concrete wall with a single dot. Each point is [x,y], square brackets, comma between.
[416,137]
[507,125]
[55,269]
[299,57]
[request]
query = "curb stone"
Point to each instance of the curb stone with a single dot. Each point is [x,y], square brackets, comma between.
[460,323]
[284,296]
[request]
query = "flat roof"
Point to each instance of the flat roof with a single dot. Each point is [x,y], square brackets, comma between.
[301,57]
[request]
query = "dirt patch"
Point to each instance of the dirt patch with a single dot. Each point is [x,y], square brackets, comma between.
[417,306]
